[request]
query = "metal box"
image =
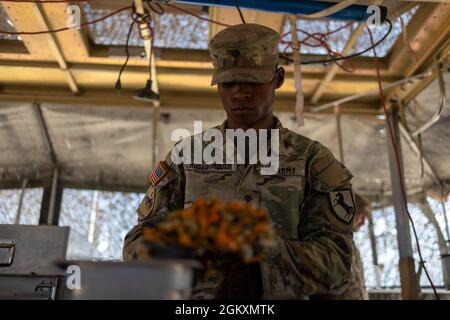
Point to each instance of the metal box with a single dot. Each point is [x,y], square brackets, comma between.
[27,261]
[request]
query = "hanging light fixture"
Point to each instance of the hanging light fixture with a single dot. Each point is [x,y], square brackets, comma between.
[146,93]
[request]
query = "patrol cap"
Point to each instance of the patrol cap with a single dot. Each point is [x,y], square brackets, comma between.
[244,52]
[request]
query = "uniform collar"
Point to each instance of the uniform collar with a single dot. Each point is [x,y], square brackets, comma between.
[277,125]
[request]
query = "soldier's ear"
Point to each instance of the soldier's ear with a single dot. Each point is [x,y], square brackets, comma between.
[279,77]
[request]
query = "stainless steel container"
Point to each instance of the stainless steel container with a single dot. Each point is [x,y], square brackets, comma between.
[27,255]
[154,280]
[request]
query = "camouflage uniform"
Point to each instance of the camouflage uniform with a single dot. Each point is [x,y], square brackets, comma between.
[357,287]
[309,201]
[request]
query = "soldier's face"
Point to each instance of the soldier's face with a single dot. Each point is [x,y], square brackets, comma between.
[246,103]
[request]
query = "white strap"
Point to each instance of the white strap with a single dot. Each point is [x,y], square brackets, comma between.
[299,99]
[329,11]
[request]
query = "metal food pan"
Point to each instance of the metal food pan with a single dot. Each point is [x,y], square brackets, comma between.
[152,280]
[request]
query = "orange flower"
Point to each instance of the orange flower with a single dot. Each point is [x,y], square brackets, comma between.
[214,226]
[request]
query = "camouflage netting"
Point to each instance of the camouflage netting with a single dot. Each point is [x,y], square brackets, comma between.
[111,146]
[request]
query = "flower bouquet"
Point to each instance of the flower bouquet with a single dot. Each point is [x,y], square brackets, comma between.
[214,230]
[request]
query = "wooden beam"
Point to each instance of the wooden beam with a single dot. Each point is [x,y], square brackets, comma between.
[55,49]
[24,19]
[407,94]
[117,4]
[101,75]
[428,34]
[370,92]
[334,68]
[169,99]
[427,28]
[170,57]
[73,43]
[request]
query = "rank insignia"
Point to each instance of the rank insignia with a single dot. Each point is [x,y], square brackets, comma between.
[343,205]
[159,171]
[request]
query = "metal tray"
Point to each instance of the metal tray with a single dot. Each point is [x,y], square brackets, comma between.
[156,279]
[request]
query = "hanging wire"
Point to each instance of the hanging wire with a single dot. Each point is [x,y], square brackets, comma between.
[158,9]
[321,39]
[144,22]
[118,85]
[239,10]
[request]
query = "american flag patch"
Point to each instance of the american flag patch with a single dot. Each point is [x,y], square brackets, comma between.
[159,171]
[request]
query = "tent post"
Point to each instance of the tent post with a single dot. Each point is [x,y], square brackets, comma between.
[373,246]
[408,276]
[337,114]
[424,206]
[19,207]
[51,202]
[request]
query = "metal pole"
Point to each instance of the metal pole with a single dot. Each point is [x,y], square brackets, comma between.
[93,217]
[53,196]
[370,92]
[424,206]
[45,134]
[299,98]
[415,148]
[155,132]
[19,207]
[148,51]
[337,113]
[408,276]
[373,241]
[373,246]
[444,212]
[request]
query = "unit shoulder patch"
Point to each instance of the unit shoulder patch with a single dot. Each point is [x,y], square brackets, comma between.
[158,173]
[146,205]
[343,205]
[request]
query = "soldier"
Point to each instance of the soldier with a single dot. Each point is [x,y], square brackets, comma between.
[357,286]
[356,289]
[309,199]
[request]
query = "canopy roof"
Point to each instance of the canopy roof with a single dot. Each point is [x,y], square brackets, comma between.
[102,139]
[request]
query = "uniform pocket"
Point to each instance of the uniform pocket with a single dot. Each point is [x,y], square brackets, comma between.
[208,183]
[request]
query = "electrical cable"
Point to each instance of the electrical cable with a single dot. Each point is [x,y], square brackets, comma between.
[351,55]
[118,85]
[397,160]
[314,36]
[196,15]
[239,10]
[286,57]
[321,39]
